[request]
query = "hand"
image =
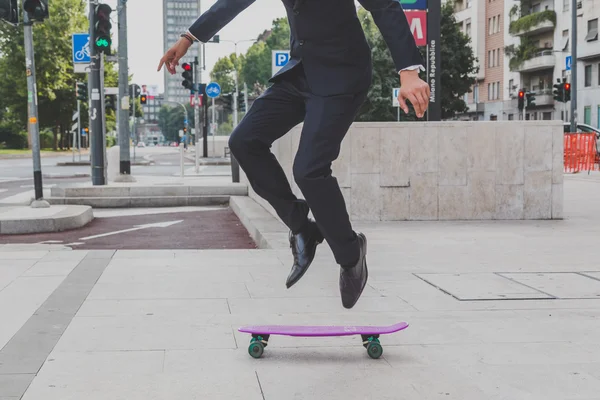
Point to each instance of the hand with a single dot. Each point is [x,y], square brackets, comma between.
[171,58]
[414,89]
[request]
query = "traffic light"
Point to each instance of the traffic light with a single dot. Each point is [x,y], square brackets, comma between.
[109,103]
[559,92]
[102,26]
[82,91]
[37,10]
[530,99]
[143,99]
[188,76]
[521,99]
[567,91]
[9,11]
[227,101]
[134,90]
[241,102]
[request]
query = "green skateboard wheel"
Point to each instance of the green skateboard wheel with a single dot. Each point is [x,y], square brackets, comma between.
[256,349]
[374,350]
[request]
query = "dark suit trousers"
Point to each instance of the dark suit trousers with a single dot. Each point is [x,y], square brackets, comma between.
[282,106]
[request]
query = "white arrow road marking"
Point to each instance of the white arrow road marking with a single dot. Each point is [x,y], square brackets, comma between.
[136,228]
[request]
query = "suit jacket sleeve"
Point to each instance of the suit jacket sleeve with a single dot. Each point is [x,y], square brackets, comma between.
[219,15]
[393,25]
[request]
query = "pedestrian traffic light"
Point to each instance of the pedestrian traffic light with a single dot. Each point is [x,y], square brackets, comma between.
[567,91]
[134,90]
[530,99]
[82,91]
[37,10]
[9,11]
[188,77]
[143,99]
[102,26]
[521,100]
[559,92]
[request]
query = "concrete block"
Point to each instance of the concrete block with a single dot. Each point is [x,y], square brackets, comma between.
[452,157]
[509,155]
[63,223]
[558,156]
[452,202]
[199,201]
[365,202]
[394,155]
[538,149]
[104,191]
[342,165]
[481,148]
[557,200]
[365,150]
[233,189]
[538,195]
[395,203]
[100,202]
[25,226]
[424,197]
[424,150]
[509,202]
[166,201]
[156,191]
[481,193]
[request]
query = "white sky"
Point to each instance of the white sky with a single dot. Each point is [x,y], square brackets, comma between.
[145,35]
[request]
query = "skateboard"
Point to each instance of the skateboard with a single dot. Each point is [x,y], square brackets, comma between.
[369,335]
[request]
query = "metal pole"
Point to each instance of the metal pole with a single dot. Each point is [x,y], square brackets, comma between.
[79,128]
[574,66]
[97,142]
[213,127]
[32,110]
[235,99]
[197,121]
[123,127]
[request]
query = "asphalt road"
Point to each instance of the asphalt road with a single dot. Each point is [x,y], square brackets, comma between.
[198,228]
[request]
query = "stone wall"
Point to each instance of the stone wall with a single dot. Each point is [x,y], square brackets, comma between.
[444,170]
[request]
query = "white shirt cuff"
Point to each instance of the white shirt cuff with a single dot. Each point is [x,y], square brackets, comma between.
[412,68]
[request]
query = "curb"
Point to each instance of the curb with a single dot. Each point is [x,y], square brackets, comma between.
[266,231]
[73,217]
[143,201]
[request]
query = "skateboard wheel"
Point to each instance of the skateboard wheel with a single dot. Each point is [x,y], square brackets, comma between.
[256,349]
[374,350]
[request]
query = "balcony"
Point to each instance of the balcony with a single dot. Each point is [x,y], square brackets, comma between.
[544,98]
[540,61]
[534,24]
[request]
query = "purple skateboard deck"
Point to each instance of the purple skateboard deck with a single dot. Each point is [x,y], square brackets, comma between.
[369,334]
[318,331]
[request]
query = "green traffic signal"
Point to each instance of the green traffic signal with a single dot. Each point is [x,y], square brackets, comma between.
[102,43]
[102,28]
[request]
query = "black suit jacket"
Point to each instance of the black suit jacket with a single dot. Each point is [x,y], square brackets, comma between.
[327,38]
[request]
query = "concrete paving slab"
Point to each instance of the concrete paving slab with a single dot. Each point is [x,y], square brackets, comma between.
[143,333]
[105,362]
[158,308]
[170,288]
[560,285]
[482,286]
[52,268]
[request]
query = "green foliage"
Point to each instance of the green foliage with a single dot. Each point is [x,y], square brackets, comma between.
[170,121]
[525,23]
[222,72]
[53,67]
[518,54]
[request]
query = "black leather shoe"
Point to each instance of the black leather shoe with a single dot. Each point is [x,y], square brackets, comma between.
[354,279]
[304,246]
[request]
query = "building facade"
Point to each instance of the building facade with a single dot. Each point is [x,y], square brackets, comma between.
[524,45]
[178,15]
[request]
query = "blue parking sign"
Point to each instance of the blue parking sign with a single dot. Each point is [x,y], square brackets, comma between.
[81,48]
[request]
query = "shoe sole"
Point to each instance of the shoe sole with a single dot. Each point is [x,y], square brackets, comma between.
[366,279]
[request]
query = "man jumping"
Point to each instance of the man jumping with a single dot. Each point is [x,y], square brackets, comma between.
[323,85]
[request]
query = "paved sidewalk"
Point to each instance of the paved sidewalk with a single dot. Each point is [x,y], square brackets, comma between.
[497,310]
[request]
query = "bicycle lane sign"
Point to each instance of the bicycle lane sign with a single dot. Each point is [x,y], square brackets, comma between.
[81,48]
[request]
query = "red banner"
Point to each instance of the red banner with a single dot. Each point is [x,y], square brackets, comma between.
[417,20]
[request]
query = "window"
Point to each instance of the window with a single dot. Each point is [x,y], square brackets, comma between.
[489,58]
[547,115]
[489,91]
[511,117]
[468,28]
[587,115]
[498,57]
[565,40]
[511,83]
[535,8]
[476,93]
[592,30]
[588,75]
[489,26]
[494,25]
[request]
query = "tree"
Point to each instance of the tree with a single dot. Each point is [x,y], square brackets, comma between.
[222,73]
[53,64]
